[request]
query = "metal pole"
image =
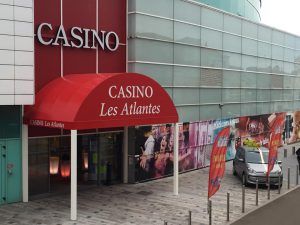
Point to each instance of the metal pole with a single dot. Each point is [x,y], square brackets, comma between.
[256,199]
[293,150]
[279,184]
[297,175]
[209,211]
[268,187]
[243,199]
[228,199]
[289,178]
[190,217]
[73,174]
[285,153]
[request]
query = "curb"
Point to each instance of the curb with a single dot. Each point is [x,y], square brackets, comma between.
[264,204]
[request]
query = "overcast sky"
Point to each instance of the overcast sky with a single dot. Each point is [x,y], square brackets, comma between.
[282,14]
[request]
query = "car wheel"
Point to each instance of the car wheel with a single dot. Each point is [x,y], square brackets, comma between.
[244,180]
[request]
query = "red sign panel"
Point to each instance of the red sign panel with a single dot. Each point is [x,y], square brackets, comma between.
[275,140]
[217,161]
[88,101]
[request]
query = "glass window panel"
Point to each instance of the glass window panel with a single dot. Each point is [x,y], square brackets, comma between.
[153,27]
[186,55]
[263,95]
[186,96]
[248,95]
[248,109]
[231,78]
[150,51]
[161,73]
[277,66]
[297,42]
[276,95]
[186,76]
[208,112]
[211,38]
[297,82]
[211,58]
[290,41]
[249,29]
[297,69]
[10,121]
[297,56]
[211,18]
[263,108]
[231,43]
[288,82]
[186,33]
[288,68]
[263,81]
[296,105]
[185,11]
[249,46]
[264,65]
[277,52]
[232,24]
[277,81]
[288,95]
[231,95]
[232,60]
[289,55]
[265,33]
[264,50]
[188,113]
[170,92]
[231,110]
[278,37]
[248,80]
[249,63]
[210,95]
[296,94]
[277,107]
[155,7]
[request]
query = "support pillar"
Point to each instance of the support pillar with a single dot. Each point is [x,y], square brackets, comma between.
[25,162]
[73,174]
[125,156]
[175,161]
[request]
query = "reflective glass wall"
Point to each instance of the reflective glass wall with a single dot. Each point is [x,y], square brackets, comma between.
[213,64]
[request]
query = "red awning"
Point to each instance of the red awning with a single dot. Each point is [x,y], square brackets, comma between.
[87,101]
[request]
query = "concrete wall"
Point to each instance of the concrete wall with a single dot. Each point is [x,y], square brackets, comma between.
[16,52]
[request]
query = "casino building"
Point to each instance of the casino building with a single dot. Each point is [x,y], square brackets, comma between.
[105,92]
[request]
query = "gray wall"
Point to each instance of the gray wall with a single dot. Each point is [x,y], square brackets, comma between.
[213,64]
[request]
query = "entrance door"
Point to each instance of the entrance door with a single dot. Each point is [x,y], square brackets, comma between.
[10,171]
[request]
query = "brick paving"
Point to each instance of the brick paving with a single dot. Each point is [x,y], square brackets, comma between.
[148,203]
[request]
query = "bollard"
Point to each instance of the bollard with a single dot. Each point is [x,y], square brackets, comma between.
[165,223]
[293,150]
[297,175]
[190,218]
[285,153]
[268,187]
[209,211]
[243,199]
[279,184]
[256,200]
[228,199]
[289,178]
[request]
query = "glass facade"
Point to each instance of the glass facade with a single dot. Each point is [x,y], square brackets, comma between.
[213,64]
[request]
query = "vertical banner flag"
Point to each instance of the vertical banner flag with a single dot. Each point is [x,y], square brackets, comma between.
[275,138]
[217,161]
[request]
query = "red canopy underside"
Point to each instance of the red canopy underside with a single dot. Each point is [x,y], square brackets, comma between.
[88,101]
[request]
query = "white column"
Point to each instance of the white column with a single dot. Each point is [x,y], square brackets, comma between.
[25,162]
[125,156]
[175,160]
[73,174]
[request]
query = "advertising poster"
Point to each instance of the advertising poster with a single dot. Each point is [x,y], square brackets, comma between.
[291,132]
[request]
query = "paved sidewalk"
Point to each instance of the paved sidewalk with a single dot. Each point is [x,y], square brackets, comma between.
[146,203]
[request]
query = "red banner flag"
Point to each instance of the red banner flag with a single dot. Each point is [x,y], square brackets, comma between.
[217,161]
[275,138]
